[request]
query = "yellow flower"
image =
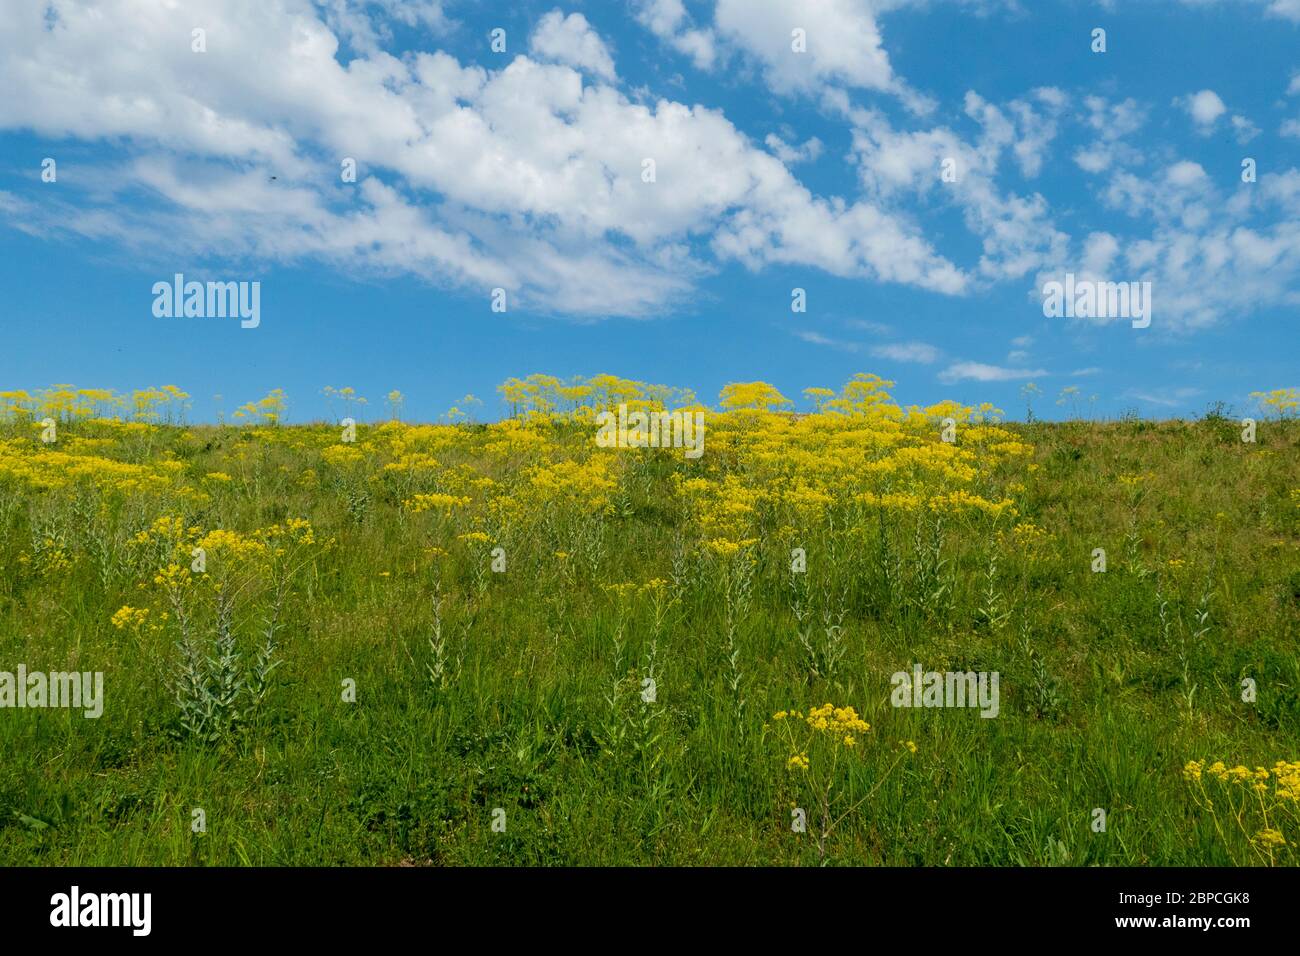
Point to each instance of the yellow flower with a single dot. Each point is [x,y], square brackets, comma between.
[1270,838]
[723,548]
[127,616]
[173,577]
[241,547]
[798,762]
[422,503]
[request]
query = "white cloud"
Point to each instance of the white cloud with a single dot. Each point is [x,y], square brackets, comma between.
[1291,127]
[521,177]
[816,338]
[1114,121]
[1244,129]
[1110,123]
[979,372]
[668,20]
[1209,255]
[572,41]
[793,155]
[907,352]
[1037,128]
[367,34]
[844,46]
[1185,173]
[867,325]
[1204,107]
[1286,9]
[1094,160]
[1017,231]
[1165,397]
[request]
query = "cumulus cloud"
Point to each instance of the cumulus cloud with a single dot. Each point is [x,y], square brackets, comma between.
[522,177]
[367,34]
[668,20]
[572,41]
[1291,127]
[530,172]
[1208,254]
[792,155]
[1016,230]
[1185,173]
[807,48]
[1244,129]
[1204,107]
[1109,123]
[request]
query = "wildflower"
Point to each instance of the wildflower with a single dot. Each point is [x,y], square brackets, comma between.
[1270,838]
[422,503]
[129,617]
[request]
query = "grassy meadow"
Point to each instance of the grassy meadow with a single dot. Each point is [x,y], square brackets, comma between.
[500,644]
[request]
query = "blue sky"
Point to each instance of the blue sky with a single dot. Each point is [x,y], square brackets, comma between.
[774,170]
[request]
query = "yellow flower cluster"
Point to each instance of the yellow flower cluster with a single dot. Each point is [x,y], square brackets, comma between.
[581,486]
[1284,401]
[41,468]
[233,544]
[1285,776]
[1259,800]
[127,617]
[68,403]
[293,531]
[1271,839]
[431,502]
[837,722]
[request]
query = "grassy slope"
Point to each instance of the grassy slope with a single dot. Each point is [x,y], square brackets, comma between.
[1095,685]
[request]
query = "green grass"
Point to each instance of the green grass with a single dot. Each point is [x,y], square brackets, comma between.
[1097,702]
